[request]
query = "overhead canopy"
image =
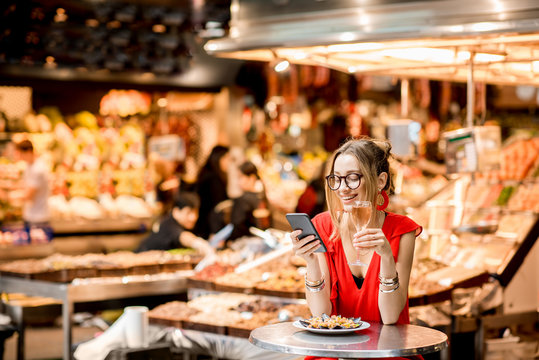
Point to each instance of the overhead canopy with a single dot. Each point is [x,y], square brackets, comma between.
[433,39]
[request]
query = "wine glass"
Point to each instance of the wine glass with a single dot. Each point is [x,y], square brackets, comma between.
[360,211]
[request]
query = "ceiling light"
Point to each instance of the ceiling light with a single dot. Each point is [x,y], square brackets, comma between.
[456,28]
[50,63]
[211,47]
[498,6]
[347,36]
[482,57]
[92,23]
[60,15]
[147,76]
[114,24]
[484,26]
[162,102]
[443,56]
[463,56]
[522,67]
[159,28]
[363,19]
[281,66]
[354,47]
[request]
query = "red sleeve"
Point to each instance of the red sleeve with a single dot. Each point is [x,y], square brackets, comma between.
[401,224]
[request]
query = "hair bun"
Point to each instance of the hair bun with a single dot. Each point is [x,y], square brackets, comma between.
[385,145]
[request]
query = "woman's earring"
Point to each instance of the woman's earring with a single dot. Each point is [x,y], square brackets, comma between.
[382,200]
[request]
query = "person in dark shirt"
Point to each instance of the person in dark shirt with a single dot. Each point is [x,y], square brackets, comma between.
[245,208]
[174,229]
[211,186]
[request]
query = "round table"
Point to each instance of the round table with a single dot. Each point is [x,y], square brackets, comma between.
[376,341]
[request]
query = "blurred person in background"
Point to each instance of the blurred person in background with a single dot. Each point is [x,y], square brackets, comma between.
[211,187]
[251,208]
[168,184]
[174,229]
[313,200]
[34,193]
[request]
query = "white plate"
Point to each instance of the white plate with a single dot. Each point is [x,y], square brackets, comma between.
[364,325]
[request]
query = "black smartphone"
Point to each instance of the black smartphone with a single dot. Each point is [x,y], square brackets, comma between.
[302,222]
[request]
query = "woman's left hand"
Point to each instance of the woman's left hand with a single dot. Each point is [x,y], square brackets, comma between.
[372,239]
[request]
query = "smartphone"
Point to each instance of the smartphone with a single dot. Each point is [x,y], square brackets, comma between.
[302,222]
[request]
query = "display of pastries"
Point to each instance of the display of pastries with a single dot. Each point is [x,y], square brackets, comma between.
[226,313]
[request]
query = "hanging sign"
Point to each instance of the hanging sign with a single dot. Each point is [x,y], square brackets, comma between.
[473,149]
[168,147]
[460,152]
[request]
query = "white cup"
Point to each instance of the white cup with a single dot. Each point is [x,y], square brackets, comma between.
[136,326]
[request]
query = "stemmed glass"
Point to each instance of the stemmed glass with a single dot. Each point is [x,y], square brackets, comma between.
[360,212]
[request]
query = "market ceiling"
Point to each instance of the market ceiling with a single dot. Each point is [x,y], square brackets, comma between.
[497,41]
[139,42]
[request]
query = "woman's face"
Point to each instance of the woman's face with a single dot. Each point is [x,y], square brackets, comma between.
[344,165]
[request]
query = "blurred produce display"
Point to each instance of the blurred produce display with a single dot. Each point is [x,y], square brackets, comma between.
[520,160]
[226,313]
[65,268]
[125,103]
[96,172]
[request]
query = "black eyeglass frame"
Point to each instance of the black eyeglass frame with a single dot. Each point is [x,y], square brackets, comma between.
[360,176]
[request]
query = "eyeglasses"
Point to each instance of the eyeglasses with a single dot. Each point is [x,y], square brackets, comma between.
[352,180]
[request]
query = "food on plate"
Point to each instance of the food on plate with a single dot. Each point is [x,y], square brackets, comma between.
[331,322]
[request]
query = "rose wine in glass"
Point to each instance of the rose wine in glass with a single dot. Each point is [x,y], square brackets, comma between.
[360,212]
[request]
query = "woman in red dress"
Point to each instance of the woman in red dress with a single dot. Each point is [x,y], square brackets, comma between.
[359,171]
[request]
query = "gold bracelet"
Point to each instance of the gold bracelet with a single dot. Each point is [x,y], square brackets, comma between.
[314,283]
[390,290]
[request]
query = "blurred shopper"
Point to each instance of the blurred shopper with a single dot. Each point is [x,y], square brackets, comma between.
[211,187]
[251,208]
[174,230]
[313,200]
[34,193]
[168,184]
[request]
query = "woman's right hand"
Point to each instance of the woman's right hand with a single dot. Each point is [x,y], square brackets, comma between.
[305,247]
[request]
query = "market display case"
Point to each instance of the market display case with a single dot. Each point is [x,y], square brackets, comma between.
[227,313]
[474,229]
[65,281]
[60,268]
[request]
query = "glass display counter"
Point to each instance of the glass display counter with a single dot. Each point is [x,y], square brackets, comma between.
[473,230]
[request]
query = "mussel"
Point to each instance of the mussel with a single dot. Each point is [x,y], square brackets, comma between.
[304,323]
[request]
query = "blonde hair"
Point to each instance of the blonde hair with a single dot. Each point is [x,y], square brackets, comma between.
[373,159]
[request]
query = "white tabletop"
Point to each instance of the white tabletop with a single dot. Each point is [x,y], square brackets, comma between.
[376,341]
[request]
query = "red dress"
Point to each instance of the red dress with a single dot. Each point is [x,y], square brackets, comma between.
[346,299]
